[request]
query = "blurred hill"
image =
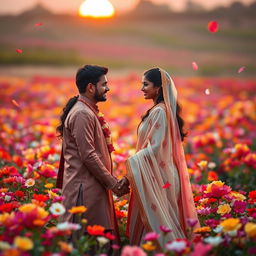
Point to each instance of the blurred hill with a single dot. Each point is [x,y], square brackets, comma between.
[148,36]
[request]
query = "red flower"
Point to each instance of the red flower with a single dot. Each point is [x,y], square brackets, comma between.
[95,230]
[197,198]
[212,176]
[106,132]
[111,148]
[110,236]
[120,214]
[252,197]
[40,197]
[19,194]
[9,207]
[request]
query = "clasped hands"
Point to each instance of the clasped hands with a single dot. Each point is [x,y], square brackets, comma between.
[122,187]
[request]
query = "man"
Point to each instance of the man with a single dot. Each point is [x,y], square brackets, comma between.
[85,173]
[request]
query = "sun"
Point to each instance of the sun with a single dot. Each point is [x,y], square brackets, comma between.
[96,9]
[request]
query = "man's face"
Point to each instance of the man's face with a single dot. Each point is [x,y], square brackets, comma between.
[101,89]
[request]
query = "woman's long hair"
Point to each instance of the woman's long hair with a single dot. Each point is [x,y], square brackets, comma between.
[84,76]
[153,75]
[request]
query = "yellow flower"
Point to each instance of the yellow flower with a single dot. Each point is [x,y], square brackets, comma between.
[223,209]
[41,212]
[78,209]
[217,183]
[230,224]
[4,217]
[27,208]
[250,229]
[149,246]
[202,229]
[84,221]
[51,194]
[237,195]
[48,185]
[100,114]
[23,243]
[202,164]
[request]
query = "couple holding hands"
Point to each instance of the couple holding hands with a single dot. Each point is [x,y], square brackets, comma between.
[157,174]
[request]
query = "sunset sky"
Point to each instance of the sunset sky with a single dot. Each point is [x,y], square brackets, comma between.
[71,6]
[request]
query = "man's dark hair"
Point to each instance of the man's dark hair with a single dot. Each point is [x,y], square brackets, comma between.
[84,76]
[89,74]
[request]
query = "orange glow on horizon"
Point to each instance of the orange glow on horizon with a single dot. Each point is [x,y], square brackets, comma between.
[96,9]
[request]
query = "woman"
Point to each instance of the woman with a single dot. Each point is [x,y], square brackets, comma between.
[161,190]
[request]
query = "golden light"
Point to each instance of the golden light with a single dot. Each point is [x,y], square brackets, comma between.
[96,9]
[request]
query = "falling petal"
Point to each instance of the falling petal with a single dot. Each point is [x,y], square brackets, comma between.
[19,51]
[213,26]
[15,103]
[38,24]
[166,185]
[194,65]
[207,92]
[240,70]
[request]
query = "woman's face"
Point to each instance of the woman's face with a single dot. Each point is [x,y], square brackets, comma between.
[150,91]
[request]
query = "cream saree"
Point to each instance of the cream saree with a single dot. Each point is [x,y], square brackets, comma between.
[158,162]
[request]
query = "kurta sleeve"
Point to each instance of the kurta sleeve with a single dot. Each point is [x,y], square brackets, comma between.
[83,129]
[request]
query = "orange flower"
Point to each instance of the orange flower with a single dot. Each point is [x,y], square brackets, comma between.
[78,209]
[212,176]
[202,229]
[65,247]
[95,230]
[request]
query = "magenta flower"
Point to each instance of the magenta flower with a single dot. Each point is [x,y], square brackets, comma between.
[204,211]
[201,249]
[239,206]
[151,236]
[212,223]
[132,251]
[165,229]
[192,222]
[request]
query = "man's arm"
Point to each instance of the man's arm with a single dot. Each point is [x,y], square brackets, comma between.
[83,129]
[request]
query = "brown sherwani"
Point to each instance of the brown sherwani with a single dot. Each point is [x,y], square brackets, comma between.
[87,176]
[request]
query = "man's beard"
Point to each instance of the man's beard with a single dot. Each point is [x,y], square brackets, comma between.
[99,97]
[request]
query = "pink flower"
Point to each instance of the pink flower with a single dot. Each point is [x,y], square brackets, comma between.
[192,222]
[132,251]
[239,206]
[204,211]
[151,236]
[201,249]
[165,229]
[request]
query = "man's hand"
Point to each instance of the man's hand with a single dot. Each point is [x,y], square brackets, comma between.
[122,187]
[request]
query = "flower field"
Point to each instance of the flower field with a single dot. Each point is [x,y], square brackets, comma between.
[220,114]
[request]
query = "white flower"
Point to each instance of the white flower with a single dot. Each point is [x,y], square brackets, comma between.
[102,240]
[177,246]
[218,229]
[68,226]
[4,245]
[30,183]
[7,198]
[214,241]
[212,165]
[232,233]
[57,209]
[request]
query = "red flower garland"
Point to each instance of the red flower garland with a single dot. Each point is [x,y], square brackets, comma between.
[106,131]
